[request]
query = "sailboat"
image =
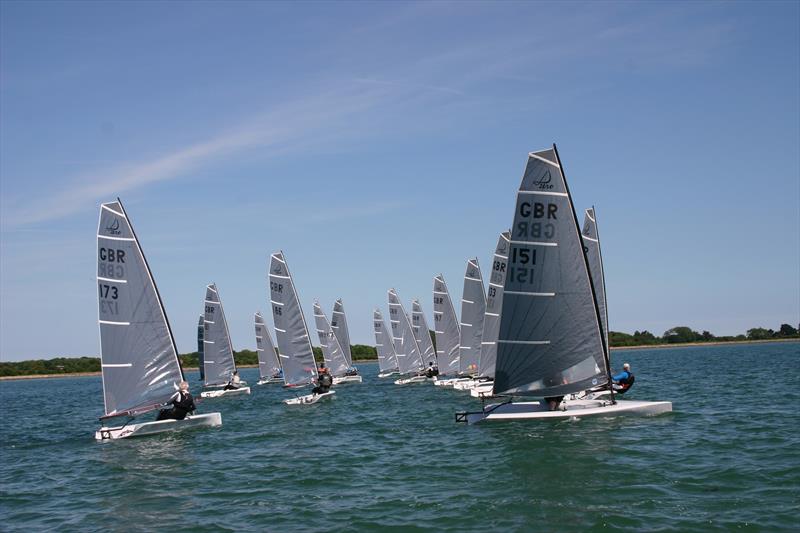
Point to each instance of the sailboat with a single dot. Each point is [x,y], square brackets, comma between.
[332,350]
[139,359]
[422,334]
[387,357]
[473,310]
[339,327]
[217,349]
[448,333]
[200,347]
[551,342]
[409,357]
[491,321]
[291,331]
[269,366]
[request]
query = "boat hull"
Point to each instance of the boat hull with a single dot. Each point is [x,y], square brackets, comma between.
[483,390]
[267,381]
[412,379]
[222,392]
[449,382]
[569,409]
[387,374]
[159,426]
[347,379]
[309,399]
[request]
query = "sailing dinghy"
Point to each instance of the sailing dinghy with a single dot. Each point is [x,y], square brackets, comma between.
[422,334]
[217,349]
[139,359]
[339,327]
[294,345]
[448,333]
[473,311]
[387,357]
[269,366]
[409,357]
[332,350]
[551,341]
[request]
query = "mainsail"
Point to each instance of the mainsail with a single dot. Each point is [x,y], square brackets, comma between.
[591,245]
[268,363]
[408,353]
[218,352]
[473,309]
[297,358]
[332,350]
[494,304]
[139,360]
[339,326]
[200,348]
[550,341]
[448,332]
[422,333]
[387,358]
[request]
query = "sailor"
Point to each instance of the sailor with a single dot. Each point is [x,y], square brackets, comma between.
[623,381]
[352,371]
[235,381]
[432,370]
[324,381]
[182,404]
[278,374]
[553,402]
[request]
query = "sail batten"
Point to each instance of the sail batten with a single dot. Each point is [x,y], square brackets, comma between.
[448,331]
[550,339]
[299,367]
[136,342]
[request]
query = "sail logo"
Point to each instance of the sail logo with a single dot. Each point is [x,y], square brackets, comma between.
[543,183]
[113,228]
[277,270]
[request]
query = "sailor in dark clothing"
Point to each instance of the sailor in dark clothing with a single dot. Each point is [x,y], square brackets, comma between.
[554,402]
[324,381]
[623,381]
[432,370]
[182,404]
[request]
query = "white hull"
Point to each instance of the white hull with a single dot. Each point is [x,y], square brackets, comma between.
[467,384]
[412,379]
[160,426]
[308,399]
[568,409]
[388,374]
[347,379]
[222,392]
[267,381]
[482,390]
[449,382]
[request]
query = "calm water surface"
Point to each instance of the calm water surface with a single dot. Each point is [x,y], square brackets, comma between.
[383,457]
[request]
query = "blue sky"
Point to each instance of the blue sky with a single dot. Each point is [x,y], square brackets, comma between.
[378,144]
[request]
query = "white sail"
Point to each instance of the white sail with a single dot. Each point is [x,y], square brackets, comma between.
[217,349]
[268,362]
[340,329]
[294,345]
[409,358]
[473,309]
[422,333]
[387,358]
[591,245]
[494,305]
[447,329]
[332,351]
[139,360]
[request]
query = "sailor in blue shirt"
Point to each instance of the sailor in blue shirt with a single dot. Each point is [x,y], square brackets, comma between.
[624,380]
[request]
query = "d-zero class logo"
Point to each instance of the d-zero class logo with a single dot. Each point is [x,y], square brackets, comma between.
[113,228]
[543,183]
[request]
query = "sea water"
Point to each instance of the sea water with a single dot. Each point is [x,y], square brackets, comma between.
[381,457]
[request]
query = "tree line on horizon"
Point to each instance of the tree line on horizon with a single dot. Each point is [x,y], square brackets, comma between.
[363,352]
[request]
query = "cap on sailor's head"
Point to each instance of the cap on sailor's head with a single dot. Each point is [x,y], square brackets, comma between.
[626,366]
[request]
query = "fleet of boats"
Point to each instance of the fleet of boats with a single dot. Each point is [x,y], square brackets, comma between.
[535,339]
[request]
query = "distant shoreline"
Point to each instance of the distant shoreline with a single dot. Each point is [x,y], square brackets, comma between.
[613,349]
